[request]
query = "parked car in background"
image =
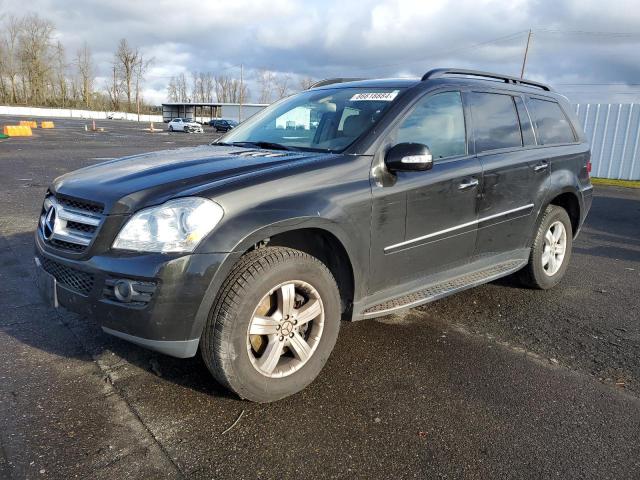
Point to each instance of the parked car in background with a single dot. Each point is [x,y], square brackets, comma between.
[223,125]
[187,125]
[249,251]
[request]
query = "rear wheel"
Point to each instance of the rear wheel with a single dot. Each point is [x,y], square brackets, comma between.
[273,325]
[551,250]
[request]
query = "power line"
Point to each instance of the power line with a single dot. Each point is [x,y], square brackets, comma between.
[586,32]
[613,84]
[447,52]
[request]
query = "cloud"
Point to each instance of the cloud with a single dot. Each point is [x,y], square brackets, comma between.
[357,38]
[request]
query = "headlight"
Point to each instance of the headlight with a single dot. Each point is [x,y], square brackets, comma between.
[175,226]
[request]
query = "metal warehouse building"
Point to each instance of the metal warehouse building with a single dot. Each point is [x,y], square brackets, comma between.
[614,133]
[207,111]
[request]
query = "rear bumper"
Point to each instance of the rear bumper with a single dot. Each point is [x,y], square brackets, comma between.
[586,195]
[171,317]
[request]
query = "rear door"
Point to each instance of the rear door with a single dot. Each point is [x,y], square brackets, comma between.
[515,177]
[555,132]
[424,221]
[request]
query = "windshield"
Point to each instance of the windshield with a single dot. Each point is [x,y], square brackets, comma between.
[317,120]
[188,119]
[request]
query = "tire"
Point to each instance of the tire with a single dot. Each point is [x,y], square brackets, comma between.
[537,273]
[230,352]
[171,128]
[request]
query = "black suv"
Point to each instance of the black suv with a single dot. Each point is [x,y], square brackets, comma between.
[350,200]
[221,125]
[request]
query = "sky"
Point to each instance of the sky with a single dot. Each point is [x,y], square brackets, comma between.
[587,49]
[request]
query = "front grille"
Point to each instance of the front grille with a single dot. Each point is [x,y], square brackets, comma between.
[81,282]
[81,227]
[72,225]
[77,204]
[62,245]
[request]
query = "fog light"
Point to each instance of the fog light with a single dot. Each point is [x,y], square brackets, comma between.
[123,290]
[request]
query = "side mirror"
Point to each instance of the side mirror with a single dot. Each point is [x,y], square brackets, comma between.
[409,157]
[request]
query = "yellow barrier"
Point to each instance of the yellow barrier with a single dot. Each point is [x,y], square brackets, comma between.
[46,124]
[28,123]
[17,131]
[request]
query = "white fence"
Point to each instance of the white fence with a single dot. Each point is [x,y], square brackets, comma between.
[614,133]
[72,113]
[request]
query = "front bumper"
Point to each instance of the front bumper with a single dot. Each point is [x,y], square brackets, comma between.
[171,317]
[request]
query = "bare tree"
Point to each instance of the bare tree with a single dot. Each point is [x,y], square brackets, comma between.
[139,71]
[229,90]
[306,83]
[195,89]
[265,80]
[10,60]
[203,87]
[222,87]
[282,85]
[114,89]
[126,59]
[84,65]
[207,86]
[181,88]
[35,42]
[60,67]
[172,90]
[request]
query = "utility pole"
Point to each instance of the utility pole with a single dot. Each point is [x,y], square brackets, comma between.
[240,102]
[526,52]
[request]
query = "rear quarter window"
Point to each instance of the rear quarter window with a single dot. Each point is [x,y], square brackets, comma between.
[550,122]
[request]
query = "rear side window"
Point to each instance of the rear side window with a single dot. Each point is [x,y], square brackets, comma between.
[495,121]
[551,123]
[437,121]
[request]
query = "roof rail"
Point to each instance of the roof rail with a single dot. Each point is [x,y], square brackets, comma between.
[442,72]
[331,81]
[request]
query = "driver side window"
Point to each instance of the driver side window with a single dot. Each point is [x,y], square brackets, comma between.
[436,121]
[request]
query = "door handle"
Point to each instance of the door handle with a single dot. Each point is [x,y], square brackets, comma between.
[469,183]
[541,166]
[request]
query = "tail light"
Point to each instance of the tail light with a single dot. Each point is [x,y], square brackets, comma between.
[589,166]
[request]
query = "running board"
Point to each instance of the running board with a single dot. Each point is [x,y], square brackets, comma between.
[444,289]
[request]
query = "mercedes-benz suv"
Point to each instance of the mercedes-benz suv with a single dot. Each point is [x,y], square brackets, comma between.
[350,200]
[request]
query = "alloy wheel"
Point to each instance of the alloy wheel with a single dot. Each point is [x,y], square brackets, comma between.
[285,329]
[554,249]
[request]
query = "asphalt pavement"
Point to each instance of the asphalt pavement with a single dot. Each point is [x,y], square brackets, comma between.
[495,382]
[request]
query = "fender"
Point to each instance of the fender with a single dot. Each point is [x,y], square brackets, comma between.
[260,234]
[339,203]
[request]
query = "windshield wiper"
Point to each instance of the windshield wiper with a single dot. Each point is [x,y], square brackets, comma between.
[267,145]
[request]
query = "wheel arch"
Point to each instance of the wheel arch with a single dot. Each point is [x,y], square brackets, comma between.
[313,236]
[326,247]
[570,202]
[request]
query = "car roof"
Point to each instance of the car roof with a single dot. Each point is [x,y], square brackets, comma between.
[474,79]
[373,83]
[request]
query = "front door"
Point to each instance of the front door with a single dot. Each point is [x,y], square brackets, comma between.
[425,222]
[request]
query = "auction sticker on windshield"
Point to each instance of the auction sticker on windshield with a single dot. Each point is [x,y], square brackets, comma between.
[378,96]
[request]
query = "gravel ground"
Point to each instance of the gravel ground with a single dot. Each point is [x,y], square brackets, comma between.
[495,382]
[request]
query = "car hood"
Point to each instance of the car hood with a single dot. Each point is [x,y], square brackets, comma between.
[130,183]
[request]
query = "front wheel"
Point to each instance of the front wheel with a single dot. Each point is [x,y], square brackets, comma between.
[273,325]
[170,128]
[551,250]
